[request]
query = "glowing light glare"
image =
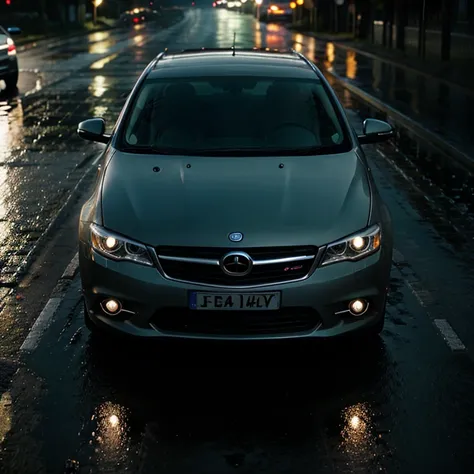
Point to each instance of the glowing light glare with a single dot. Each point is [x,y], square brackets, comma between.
[300,2]
[355,422]
[97,87]
[113,420]
[112,307]
[238,4]
[98,3]
[102,62]
[258,2]
[110,242]
[243,1]
[293,5]
[358,243]
[274,8]
[357,306]
[231,4]
[136,11]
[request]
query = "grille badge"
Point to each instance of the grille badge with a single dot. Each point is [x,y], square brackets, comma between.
[237,264]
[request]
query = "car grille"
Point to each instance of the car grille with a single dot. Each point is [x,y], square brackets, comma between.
[200,264]
[236,323]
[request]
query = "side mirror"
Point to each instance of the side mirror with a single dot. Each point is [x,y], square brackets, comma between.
[93,130]
[14,30]
[375,131]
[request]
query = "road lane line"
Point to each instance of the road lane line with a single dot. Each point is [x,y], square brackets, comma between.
[71,269]
[40,326]
[449,335]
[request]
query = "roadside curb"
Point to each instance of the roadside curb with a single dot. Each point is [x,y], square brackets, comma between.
[431,139]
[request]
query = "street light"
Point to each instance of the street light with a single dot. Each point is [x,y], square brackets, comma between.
[259,3]
[96,3]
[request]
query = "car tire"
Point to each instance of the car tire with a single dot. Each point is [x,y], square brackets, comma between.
[11,81]
[378,328]
[90,324]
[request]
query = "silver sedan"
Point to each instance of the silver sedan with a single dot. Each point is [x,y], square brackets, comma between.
[234,201]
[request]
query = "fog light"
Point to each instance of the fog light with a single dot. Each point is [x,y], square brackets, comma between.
[358,307]
[111,306]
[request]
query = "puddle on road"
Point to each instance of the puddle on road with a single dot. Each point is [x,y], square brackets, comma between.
[99,86]
[101,47]
[98,36]
[102,62]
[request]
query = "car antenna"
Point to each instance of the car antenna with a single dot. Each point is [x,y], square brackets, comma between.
[233,45]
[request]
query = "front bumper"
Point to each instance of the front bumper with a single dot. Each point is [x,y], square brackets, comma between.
[311,308]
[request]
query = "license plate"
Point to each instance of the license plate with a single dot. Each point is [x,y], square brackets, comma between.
[235,301]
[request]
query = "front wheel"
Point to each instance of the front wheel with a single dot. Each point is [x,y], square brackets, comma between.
[93,328]
[378,328]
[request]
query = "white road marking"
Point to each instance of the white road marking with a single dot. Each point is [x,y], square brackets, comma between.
[449,335]
[417,294]
[71,268]
[40,326]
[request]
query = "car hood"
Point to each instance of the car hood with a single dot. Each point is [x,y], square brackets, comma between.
[198,201]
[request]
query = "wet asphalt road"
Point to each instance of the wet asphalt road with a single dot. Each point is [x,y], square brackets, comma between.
[401,405]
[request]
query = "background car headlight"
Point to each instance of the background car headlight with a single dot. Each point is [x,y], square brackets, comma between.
[354,247]
[117,247]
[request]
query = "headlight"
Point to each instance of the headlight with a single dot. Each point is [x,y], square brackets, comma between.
[354,247]
[117,247]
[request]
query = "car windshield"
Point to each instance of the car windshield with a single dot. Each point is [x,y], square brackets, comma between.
[234,115]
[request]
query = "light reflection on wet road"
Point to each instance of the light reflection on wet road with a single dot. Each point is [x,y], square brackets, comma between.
[401,405]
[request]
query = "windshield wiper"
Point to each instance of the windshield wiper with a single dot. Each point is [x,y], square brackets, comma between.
[152,150]
[250,151]
[259,151]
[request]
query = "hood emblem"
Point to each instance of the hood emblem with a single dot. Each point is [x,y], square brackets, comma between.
[236,236]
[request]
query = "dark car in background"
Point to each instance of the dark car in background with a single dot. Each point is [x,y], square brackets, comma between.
[139,15]
[8,57]
[276,11]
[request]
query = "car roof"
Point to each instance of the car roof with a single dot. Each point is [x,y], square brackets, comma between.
[235,62]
